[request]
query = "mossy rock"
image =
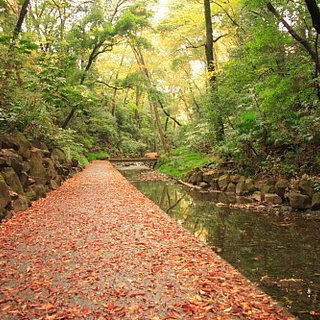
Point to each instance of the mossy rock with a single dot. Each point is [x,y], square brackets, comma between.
[12,180]
[231,187]
[316,201]
[20,204]
[37,170]
[18,142]
[58,156]
[241,189]
[4,193]
[272,198]
[281,187]
[306,187]
[299,201]
[223,182]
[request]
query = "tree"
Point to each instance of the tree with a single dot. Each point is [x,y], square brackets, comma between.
[209,48]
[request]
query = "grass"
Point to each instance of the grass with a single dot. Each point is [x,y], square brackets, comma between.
[180,161]
[97,156]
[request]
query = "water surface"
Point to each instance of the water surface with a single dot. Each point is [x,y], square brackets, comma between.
[258,244]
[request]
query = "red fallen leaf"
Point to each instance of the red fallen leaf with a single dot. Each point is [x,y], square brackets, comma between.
[137,294]
[53,317]
[46,306]
[188,308]
[5,308]
[109,307]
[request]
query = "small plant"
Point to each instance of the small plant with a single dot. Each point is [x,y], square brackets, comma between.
[317,185]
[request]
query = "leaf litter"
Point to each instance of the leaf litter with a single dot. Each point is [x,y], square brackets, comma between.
[96,248]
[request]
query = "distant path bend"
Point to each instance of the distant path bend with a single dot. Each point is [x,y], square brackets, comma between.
[96,248]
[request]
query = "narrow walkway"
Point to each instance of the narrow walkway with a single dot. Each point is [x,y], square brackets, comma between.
[96,248]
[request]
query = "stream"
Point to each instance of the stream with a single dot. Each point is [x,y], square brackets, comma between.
[282,250]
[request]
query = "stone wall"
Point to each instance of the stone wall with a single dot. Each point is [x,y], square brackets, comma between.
[28,171]
[299,193]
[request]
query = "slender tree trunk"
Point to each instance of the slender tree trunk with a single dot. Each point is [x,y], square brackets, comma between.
[152,101]
[68,118]
[209,46]
[115,91]
[9,65]
[23,13]
[92,57]
[209,42]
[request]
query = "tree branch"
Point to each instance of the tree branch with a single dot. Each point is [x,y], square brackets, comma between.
[293,33]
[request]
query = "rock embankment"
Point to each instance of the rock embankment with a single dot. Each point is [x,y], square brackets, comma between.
[299,193]
[28,171]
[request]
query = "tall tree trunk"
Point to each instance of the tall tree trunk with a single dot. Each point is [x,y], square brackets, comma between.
[209,46]
[315,14]
[209,42]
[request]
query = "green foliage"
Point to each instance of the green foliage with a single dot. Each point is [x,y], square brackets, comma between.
[180,161]
[98,156]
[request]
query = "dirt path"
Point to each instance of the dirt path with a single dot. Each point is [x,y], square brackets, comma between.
[96,248]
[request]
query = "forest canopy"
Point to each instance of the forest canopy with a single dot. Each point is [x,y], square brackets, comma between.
[235,79]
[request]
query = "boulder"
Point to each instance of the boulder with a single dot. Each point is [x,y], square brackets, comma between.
[257,196]
[58,156]
[74,162]
[50,168]
[267,188]
[11,159]
[25,179]
[204,185]
[20,204]
[37,170]
[53,184]
[4,193]
[195,178]
[209,175]
[316,201]
[64,171]
[12,180]
[18,142]
[35,192]
[272,198]
[40,145]
[281,187]
[299,201]
[306,187]
[250,185]
[58,180]
[231,187]
[235,178]
[214,184]
[241,188]
[2,213]
[223,182]
[26,166]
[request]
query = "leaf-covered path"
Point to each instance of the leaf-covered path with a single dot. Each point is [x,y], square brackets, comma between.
[96,248]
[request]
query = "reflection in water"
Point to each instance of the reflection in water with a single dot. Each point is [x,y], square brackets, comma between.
[256,244]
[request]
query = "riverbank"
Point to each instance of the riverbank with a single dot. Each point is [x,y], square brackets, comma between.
[213,176]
